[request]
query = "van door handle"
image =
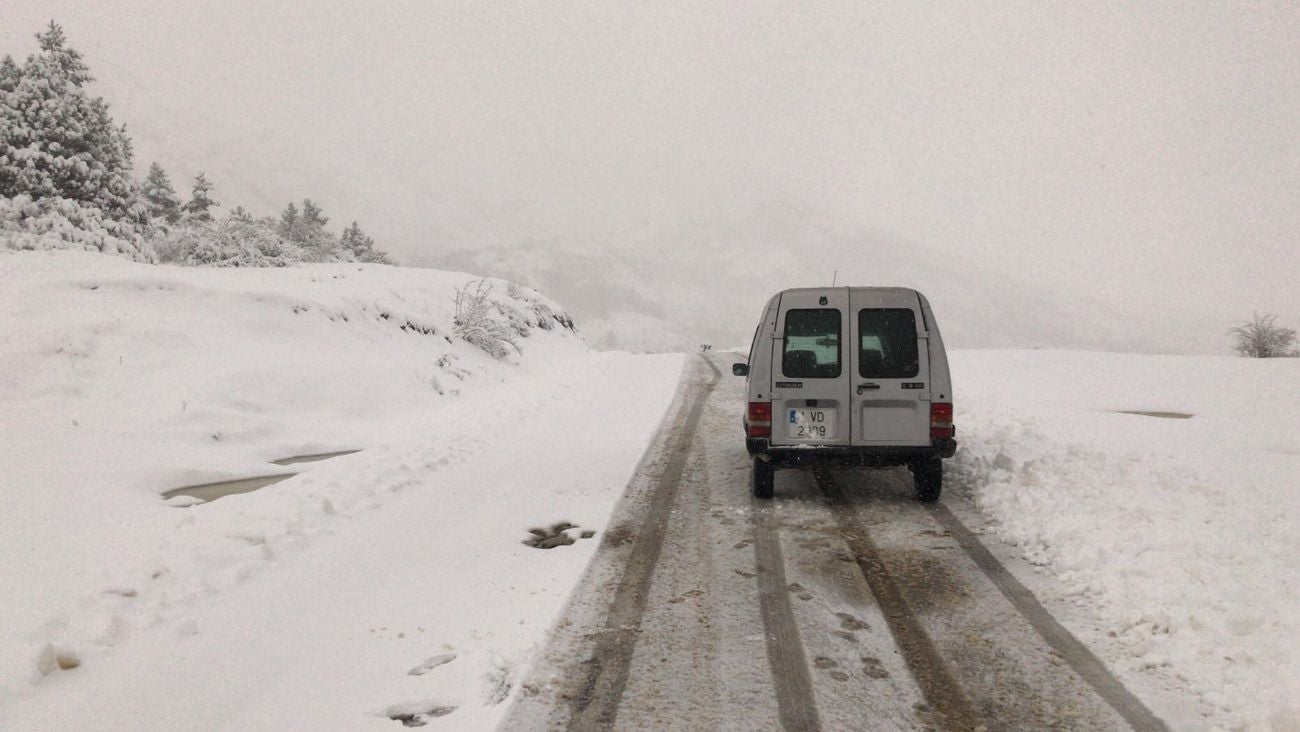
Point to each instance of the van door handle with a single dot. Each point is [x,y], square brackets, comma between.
[867,387]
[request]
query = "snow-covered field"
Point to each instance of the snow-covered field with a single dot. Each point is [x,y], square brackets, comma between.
[385,582]
[1181,534]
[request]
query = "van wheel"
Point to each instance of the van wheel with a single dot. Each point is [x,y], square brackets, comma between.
[764,478]
[928,477]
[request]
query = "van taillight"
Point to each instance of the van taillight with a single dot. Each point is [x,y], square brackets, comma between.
[940,420]
[760,419]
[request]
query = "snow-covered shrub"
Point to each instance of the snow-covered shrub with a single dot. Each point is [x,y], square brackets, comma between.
[478,320]
[239,240]
[544,316]
[234,241]
[61,223]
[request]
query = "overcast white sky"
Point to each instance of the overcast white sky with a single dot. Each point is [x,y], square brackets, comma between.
[1146,152]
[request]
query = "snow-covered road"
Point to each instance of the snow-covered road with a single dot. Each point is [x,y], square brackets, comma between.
[842,604]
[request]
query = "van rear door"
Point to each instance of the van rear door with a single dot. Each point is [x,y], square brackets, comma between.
[890,368]
[811,368]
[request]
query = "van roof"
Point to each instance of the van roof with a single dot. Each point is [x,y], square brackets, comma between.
[880,290]
[878,296]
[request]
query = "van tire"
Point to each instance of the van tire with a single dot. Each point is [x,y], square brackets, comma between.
[764,478]
[928,477]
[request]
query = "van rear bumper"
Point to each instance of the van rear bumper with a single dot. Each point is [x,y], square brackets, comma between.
[878,456]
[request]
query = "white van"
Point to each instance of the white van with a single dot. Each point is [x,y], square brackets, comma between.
[851,376]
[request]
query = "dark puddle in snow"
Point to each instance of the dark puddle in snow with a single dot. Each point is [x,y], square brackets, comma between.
[1160,415]
[212,491]
[206,492]
[312,458]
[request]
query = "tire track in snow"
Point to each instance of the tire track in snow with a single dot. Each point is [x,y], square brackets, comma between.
[596,706]
[1081,660]
[948,702]
[785,652]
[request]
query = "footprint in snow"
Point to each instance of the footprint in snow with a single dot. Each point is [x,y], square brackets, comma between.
[556,535]
[872,668]
[418,713]
[499,681]
[851,623]
[57,658]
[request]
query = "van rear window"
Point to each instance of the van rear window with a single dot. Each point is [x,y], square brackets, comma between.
[811,349]
[887,343]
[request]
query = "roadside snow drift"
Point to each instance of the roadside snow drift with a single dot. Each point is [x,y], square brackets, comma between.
[388,584]
[1164,493]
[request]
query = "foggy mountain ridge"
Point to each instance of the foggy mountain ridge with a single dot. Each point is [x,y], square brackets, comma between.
[634,299]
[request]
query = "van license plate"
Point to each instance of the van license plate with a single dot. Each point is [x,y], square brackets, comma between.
[812,424]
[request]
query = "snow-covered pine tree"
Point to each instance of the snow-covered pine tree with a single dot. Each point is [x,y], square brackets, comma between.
[361,246]
[288,227]
[54,44]
[10,76]
[353,240]
[9,73]
[198,208]
[312,216]
[58,142]
[318,244]
[160,198]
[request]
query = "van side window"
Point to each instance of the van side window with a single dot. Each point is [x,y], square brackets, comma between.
[811,349]
[887,343]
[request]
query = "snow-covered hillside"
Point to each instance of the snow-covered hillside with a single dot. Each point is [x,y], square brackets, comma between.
[1164,493]
[123,380]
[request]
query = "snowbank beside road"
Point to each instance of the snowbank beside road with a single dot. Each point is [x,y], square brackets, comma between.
[1181,533]
[306,604]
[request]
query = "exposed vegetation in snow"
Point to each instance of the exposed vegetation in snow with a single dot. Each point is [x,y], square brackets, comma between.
[1263,337]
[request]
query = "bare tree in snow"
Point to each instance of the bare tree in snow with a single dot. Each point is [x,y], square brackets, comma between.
[1264,338]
